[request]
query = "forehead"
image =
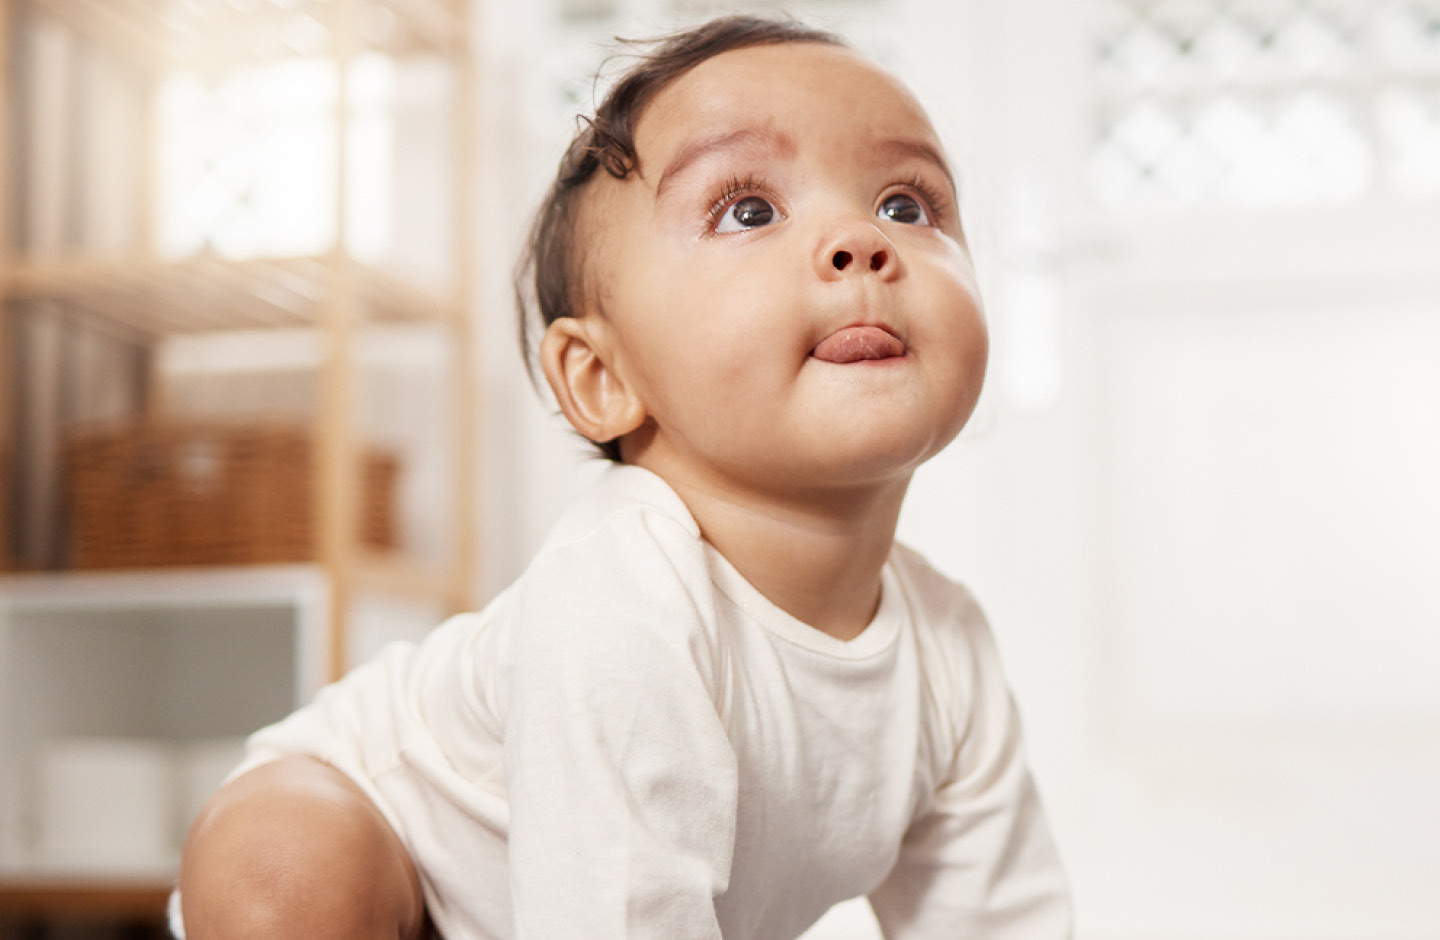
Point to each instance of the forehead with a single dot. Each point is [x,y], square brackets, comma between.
[811,89]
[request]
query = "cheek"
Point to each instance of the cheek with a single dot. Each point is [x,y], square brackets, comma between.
[954,296]
[962,336]
[686,366]
[975,351]
[979,342]
[728,322]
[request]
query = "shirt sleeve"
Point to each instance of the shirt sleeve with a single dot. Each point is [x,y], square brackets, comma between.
[621,780]
[979,862]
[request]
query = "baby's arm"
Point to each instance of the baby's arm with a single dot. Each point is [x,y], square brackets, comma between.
[980,862]
[622,781]
[293,848]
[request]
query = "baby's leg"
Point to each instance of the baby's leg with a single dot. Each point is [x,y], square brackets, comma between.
[295,849]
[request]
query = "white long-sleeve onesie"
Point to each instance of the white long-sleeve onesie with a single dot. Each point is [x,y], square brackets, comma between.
[632,742]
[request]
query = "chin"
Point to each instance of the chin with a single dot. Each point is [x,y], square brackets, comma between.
[907,443]
[872,461]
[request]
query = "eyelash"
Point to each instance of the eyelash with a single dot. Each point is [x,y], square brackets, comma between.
[734,188]
[936,202]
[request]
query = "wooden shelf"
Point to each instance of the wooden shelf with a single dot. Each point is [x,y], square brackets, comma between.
[85,897]
[392,573]
[149,299]
[214,35]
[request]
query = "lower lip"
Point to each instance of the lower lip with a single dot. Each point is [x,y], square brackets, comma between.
[872,363]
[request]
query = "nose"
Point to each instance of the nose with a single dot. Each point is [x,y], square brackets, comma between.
[856,248]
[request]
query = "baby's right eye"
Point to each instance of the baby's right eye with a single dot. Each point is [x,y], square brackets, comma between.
[750,212]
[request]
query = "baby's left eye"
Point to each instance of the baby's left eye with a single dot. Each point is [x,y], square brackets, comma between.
[750,212]
[905,208]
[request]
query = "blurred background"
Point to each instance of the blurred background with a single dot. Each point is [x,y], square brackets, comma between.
[262,409]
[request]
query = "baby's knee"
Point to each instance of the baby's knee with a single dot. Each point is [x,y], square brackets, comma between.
[295,848]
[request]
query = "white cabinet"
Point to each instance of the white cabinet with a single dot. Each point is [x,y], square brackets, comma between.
[124,696]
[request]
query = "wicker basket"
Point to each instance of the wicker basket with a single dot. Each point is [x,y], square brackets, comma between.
[160,495]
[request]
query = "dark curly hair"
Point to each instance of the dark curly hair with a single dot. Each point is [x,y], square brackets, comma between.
[550,276]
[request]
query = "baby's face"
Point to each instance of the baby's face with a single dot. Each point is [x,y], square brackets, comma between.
[785,278]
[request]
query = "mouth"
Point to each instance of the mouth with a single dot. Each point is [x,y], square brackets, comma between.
[859,344]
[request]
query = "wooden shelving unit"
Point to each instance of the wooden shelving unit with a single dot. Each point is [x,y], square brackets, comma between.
[139,296]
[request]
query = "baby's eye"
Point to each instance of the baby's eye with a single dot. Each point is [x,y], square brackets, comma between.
[905,208]
[750,212]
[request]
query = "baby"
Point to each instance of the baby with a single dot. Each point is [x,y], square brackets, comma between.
[721,698]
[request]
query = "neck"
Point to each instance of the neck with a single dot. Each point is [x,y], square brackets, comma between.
[818,558]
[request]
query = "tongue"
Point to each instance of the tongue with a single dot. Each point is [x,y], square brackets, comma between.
[858,343]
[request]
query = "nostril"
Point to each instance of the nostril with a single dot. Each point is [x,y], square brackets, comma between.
[842,260]
[877,260]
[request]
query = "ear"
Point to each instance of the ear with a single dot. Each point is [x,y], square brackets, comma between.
[590,390]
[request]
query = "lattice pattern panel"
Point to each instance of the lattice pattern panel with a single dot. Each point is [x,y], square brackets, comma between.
[1265,102]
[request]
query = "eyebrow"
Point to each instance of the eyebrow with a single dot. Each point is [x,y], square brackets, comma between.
[756,138]
[904,147]
[746,138]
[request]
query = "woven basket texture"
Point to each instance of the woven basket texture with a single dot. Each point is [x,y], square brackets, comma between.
[161,495]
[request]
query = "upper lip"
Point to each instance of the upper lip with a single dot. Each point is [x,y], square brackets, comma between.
[857,325]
